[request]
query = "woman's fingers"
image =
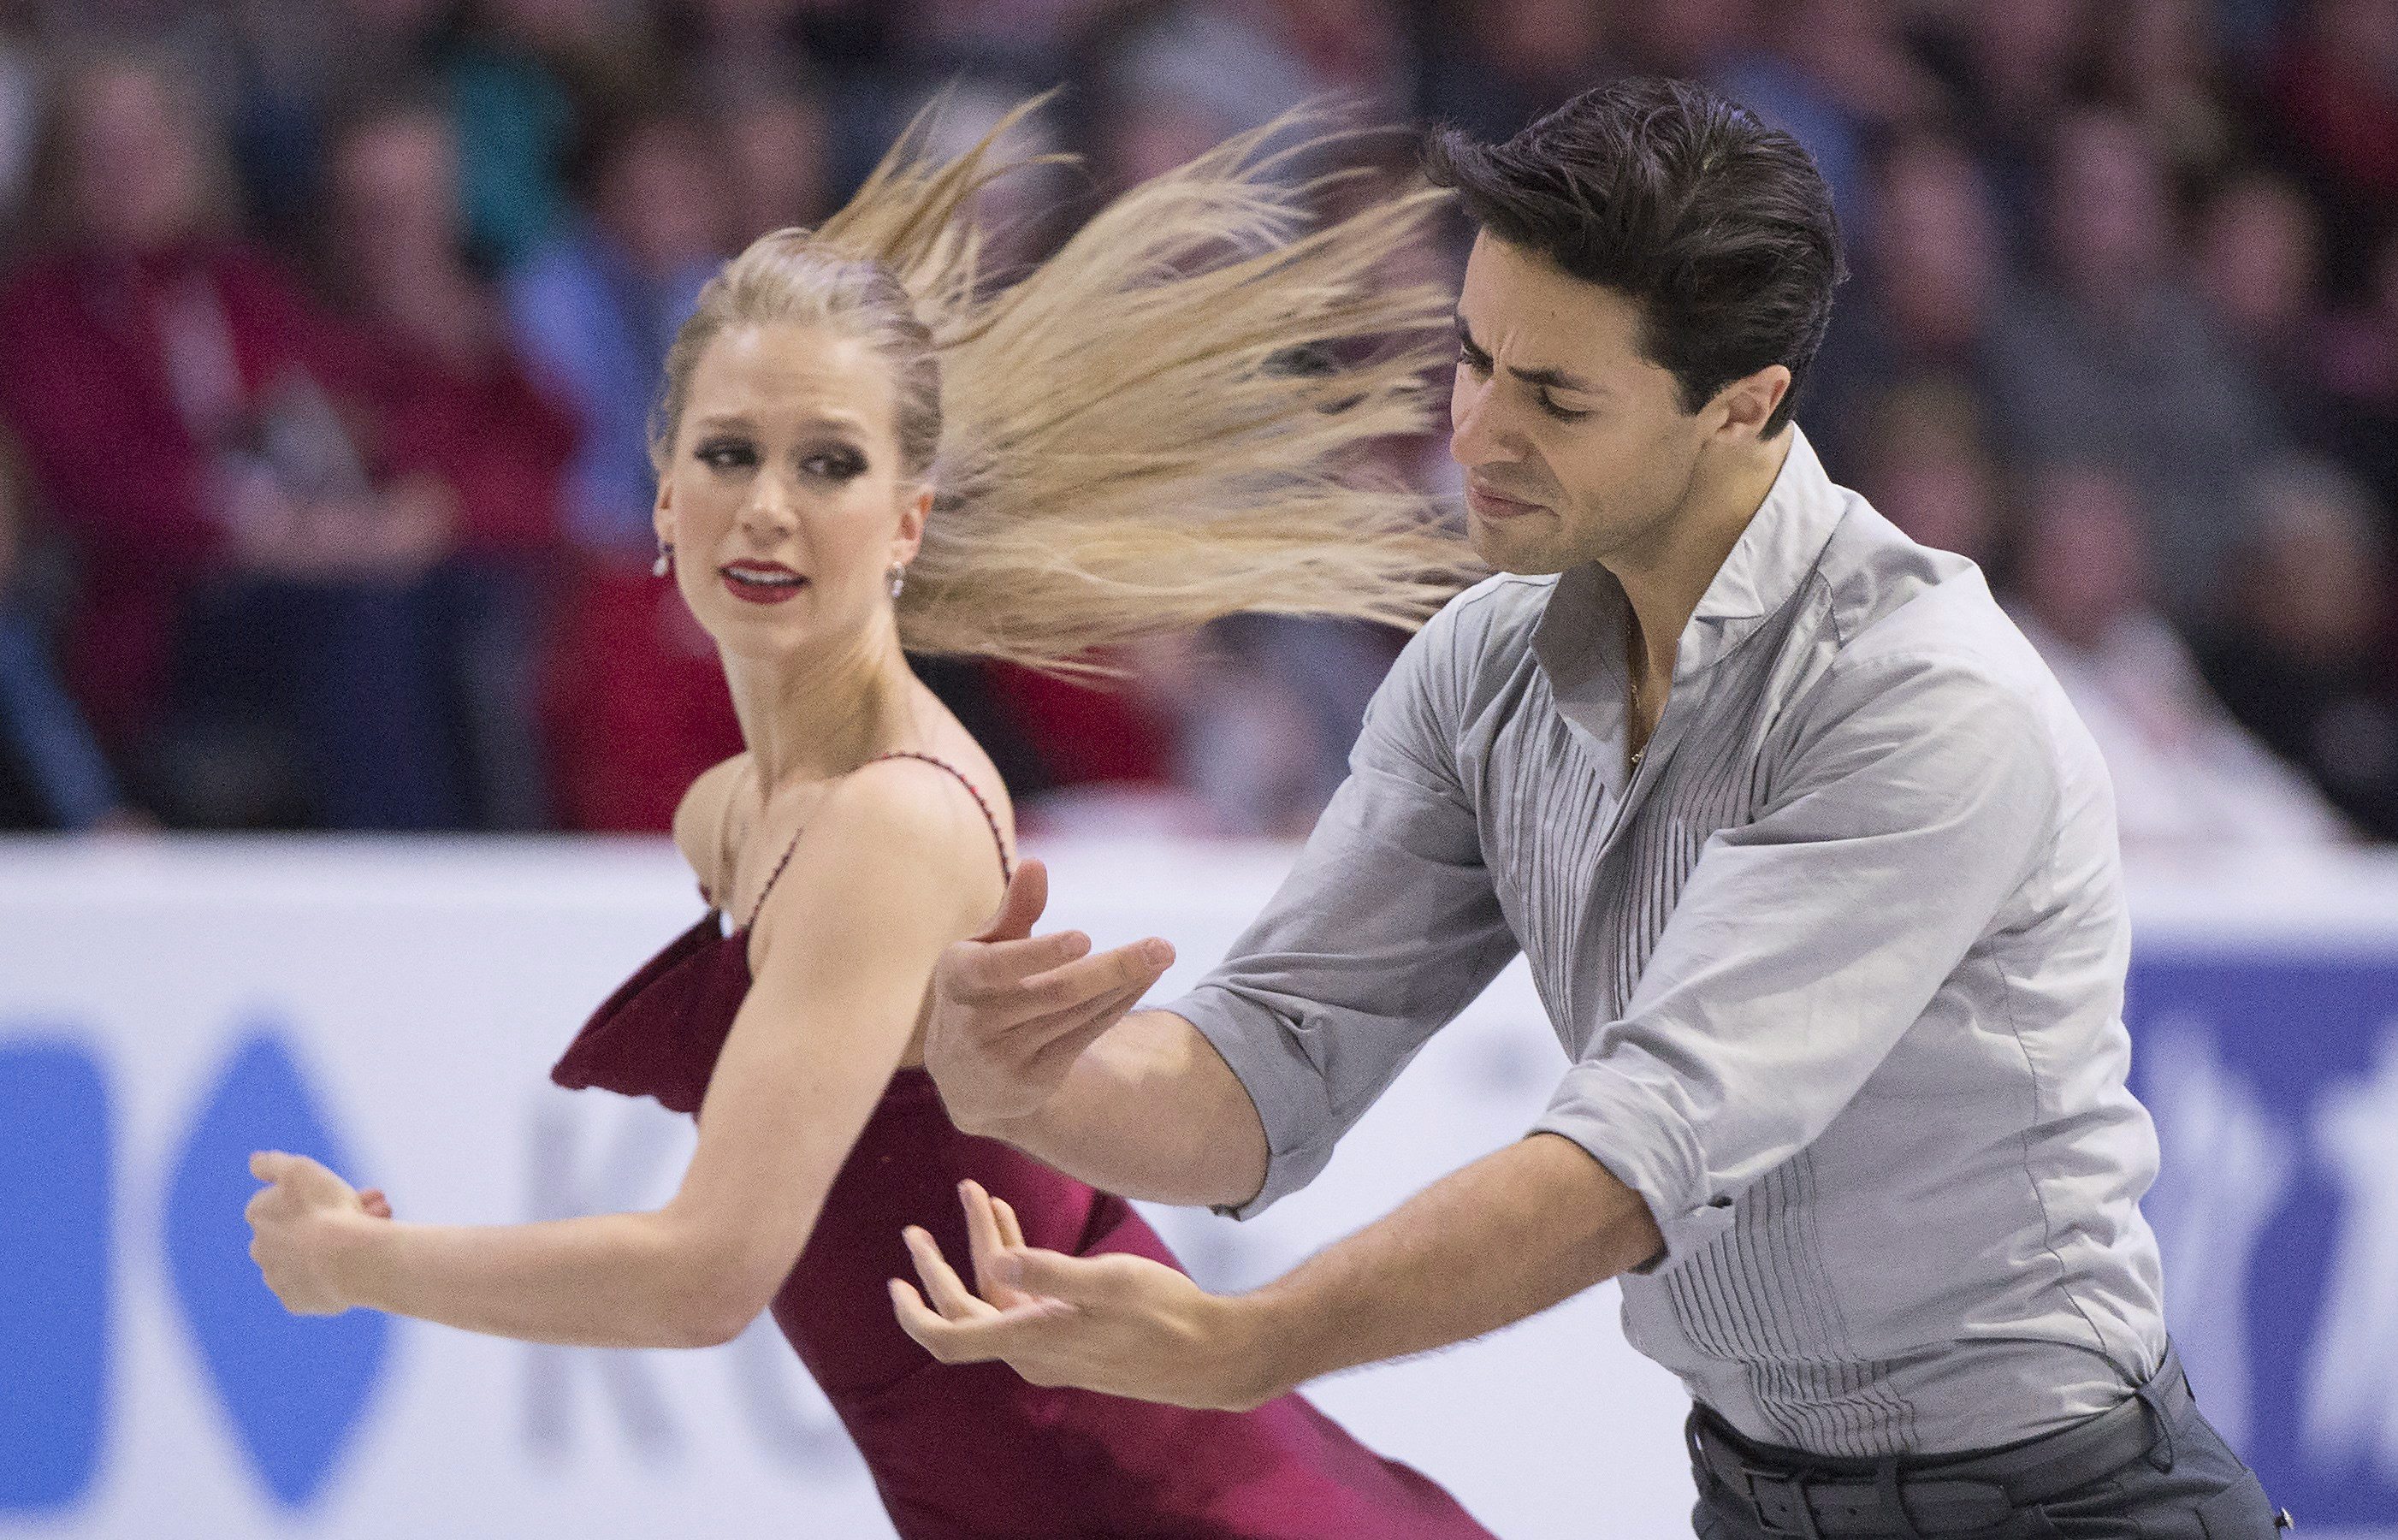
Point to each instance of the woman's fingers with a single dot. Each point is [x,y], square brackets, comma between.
[942,1286]
[1010,1230]
[987,1241]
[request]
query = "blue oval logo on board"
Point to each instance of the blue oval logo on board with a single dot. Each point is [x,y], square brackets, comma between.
[295,1388]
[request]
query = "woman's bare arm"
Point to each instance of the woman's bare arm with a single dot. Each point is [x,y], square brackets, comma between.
[888,873]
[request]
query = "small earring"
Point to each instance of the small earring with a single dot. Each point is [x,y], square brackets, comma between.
[665,564]
[898,578]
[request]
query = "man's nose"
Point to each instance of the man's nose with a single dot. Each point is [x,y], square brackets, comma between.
[1472,438]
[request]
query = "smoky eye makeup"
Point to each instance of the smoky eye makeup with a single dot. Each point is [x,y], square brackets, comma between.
[834,462]
[725,451]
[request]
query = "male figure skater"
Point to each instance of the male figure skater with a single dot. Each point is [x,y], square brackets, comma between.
[1818,878]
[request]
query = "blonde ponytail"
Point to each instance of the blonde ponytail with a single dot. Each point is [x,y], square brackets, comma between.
[1118,441]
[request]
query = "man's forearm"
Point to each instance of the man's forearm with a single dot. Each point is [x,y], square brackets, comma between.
[1506,1237]
[1151,1111]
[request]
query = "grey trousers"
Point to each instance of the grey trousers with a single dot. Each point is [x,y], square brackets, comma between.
[2187,1485]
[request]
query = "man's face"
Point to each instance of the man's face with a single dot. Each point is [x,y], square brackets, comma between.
[1575,447]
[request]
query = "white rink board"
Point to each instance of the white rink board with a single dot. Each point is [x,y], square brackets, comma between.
[427,985]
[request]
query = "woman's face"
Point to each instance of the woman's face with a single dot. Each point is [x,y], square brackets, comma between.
[785,499]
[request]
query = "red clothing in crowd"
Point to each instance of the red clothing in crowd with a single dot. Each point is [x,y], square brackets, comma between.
[88,387]
[495,439]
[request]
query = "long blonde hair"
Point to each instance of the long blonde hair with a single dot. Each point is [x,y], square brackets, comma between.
[1118,441]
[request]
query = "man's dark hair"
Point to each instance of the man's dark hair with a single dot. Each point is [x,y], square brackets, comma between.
[1718,227]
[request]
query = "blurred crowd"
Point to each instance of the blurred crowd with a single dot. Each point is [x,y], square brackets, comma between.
[331,328]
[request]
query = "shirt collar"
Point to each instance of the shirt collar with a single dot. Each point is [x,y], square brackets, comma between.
[1580,639]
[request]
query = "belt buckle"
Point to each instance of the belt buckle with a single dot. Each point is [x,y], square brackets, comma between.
[1794,1488]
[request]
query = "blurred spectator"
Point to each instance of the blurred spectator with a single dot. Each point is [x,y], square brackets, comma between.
[2335,88]
[1519,58]
[457,410]
[2258,253]
[597,307]
[1925,465]
[2157,64]
[1174,79]
[2360,371]
[299,60]
[2302,657]
[777,162]
[52,774]
[23,75]
[523,80]
[2014,69]
[253,616]
[1697,39]
[737,49]
[2104,361]
[1924,294]
[1835,73]
[2185,775]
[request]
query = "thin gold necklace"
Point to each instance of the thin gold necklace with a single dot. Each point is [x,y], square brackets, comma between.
[1630,727]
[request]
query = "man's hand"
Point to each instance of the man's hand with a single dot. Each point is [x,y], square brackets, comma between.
[1120,1324]
[1012,1011]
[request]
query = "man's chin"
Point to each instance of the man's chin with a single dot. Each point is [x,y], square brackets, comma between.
[1503,548]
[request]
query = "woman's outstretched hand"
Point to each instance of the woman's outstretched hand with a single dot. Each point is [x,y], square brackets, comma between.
[1012,1011]
[295,1222]
[1121,1324]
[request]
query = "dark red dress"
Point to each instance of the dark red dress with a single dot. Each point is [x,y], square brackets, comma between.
[970,1451]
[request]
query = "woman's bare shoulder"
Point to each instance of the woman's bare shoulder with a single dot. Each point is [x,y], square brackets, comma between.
[700,818]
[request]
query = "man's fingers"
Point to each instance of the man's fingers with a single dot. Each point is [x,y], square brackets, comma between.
[270,1165]
[1027,896]
[1081,982]
[942,1286]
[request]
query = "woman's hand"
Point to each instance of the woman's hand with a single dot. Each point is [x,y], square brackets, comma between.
[297,1222]
[1118,1323]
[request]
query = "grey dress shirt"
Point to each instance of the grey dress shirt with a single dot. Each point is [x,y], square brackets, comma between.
[1839,969]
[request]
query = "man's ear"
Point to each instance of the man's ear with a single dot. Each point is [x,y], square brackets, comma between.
[1748,403]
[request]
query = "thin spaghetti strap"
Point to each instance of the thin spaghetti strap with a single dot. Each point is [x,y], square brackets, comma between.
[772,877]
[1006,866]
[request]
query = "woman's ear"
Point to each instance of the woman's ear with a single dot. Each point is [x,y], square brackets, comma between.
[662,513]
[912,514]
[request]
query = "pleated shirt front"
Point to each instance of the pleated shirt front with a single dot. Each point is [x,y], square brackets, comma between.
[1839,970]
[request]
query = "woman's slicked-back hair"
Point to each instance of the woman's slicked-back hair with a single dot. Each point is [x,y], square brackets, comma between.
[1719,228]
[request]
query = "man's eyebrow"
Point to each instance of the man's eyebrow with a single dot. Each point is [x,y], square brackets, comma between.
[1548,379]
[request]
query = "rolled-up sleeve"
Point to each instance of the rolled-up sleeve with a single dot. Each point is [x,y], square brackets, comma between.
[1920,795]
[1385,929]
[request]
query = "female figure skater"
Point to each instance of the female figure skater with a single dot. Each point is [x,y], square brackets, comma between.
[861,448]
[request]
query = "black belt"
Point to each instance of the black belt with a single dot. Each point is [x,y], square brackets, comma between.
[1790,1492]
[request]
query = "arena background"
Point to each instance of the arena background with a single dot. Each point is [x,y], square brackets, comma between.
[340,717]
